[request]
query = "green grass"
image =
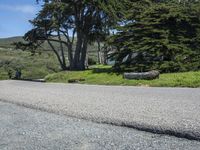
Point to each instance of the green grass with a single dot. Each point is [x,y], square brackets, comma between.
[104,76]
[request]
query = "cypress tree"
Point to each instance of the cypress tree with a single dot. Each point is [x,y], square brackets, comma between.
[162,35]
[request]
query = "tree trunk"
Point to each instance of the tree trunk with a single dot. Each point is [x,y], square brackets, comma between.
[99,52]
[62,51]
[62,65]
[104,55]
[84,53]
[70,56]
[80,52]
[76,61]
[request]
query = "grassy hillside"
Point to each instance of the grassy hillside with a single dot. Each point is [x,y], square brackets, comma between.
[33,67]
[7,42]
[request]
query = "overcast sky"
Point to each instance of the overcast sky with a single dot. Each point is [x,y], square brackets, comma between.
[14,16]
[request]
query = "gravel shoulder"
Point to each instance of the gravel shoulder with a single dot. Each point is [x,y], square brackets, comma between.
[173,111]
[28,129]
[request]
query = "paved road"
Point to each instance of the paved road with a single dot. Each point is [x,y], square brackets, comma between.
[28,129]
[174,111]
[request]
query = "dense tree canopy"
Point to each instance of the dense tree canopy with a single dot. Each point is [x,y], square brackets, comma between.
[163,35]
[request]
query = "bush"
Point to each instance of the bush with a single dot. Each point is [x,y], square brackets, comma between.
[91,61]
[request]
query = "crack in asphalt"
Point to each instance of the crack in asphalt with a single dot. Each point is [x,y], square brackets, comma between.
[133,125]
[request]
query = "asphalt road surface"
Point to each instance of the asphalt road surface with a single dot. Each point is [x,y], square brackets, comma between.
[28,129]
[172,111]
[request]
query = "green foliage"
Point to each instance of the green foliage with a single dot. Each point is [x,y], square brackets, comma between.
[162,35]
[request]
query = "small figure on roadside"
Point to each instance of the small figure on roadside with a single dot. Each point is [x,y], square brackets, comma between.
[18,74]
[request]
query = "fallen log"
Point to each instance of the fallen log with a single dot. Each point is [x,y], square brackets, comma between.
[142,75]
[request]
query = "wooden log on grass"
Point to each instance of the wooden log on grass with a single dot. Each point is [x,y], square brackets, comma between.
[142,75]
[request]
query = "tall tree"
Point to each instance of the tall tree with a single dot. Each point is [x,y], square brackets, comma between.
[164,36]
[71,22]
